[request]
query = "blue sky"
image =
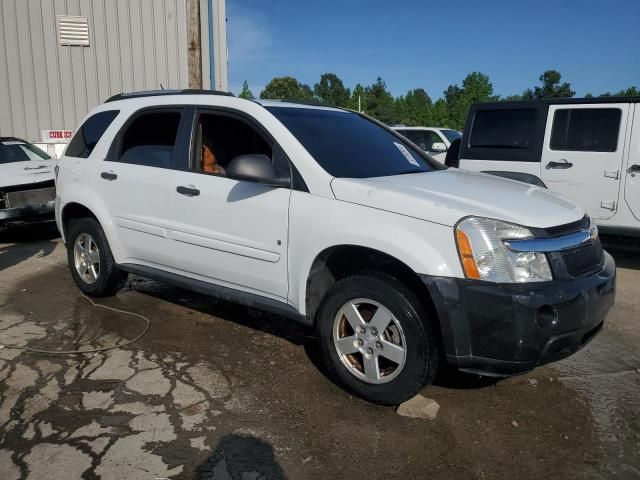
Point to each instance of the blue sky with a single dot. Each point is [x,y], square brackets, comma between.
[429,44]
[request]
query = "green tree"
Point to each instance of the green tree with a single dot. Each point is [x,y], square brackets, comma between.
[357,99]
[331,91]
[629,92]
[440,114]
[380,103]
[552,87]
[286,88]
[414,108]
[476,87]
[246,93]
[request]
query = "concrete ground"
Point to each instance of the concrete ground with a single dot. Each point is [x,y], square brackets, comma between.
[215,390]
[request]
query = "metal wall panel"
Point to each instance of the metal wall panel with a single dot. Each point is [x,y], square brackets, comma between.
[134,45]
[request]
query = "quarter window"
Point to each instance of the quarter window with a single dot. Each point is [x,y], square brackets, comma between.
[509,128]
[151,139]
[90,133]
[586,129]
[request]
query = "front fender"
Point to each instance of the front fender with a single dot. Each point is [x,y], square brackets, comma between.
[318,223]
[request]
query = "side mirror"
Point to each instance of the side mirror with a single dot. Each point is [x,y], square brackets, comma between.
[438,147]
[256,168]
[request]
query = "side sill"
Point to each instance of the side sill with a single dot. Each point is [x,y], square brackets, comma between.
[224,293]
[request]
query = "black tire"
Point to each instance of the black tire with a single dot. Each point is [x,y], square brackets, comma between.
[422,347]
[110,278]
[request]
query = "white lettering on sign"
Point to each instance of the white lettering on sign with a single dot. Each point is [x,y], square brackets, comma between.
[406,154]
[56,136]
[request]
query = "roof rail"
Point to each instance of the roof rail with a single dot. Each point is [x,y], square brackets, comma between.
[153,93]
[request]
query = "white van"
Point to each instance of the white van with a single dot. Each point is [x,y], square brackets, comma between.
[587,149]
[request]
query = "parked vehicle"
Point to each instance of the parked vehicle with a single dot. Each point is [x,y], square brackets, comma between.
[330,218]
[434,141]
[27,190]
[587,149]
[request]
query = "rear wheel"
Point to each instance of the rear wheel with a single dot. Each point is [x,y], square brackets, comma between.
[90,260]
[376,339]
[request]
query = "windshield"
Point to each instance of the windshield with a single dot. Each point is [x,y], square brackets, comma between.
[12,151]
[346,144]
[451,134]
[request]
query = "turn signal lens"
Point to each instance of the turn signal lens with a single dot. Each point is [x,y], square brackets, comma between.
[466,255]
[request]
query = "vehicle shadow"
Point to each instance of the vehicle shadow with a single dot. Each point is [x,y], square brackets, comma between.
[23,243]
[625,250]
[241,456]
[625,258]
[287,329]
[449,377]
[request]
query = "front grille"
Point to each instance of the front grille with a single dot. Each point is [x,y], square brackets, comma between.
[25,198]
[583,259]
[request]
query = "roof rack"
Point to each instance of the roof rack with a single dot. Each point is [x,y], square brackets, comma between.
[310,103]
[153,93]
[565,101]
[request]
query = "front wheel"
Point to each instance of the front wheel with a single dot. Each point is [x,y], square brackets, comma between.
[90,260]
[376,339]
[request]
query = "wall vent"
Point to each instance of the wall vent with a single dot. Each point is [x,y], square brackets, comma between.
[73,31]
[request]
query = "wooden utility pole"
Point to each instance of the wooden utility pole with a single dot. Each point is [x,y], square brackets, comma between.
[194,54]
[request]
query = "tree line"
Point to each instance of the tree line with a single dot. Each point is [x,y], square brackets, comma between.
[415,107]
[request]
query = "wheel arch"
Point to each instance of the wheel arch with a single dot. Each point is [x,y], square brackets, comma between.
[74,210]
[339,261]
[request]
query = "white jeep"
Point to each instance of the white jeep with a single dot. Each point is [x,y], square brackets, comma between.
[330,218]
[586,149]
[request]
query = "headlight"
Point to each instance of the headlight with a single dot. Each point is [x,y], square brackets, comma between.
[484,256]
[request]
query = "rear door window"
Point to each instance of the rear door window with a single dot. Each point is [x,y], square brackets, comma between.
[503,129]
[90,133]
[586,129]
[150,139]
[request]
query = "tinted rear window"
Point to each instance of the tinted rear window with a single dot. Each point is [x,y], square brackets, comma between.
[346,144]
[151,139]
[507,128]
[586,129]
[90,133]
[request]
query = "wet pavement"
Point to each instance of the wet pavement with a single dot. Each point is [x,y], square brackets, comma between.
[216,390]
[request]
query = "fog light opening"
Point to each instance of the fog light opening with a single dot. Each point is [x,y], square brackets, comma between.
[547,317]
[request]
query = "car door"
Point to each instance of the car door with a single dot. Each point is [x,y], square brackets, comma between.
[135,184]
[582,154]
[229,232]
[632,173]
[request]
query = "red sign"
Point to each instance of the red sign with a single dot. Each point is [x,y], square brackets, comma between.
[56,136]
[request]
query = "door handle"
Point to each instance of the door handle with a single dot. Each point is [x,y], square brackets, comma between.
[189,191]
[633,169]
[109,176]
[562,164]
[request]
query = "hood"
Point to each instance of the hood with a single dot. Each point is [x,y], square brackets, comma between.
[446,196]
[24,173]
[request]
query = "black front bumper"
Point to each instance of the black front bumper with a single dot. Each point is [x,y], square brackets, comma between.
[28,214]
[504,329]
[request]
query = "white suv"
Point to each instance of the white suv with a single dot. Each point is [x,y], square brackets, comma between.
[434,141]
[330,218]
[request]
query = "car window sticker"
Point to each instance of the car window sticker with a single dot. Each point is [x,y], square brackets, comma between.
[407,154]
